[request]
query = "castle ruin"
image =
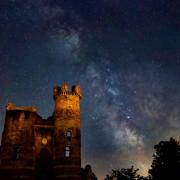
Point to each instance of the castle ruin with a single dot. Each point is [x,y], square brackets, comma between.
[33,148]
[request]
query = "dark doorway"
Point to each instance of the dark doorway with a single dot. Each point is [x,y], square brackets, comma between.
[44,165]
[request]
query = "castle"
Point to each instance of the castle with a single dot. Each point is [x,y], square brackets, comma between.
[33,148]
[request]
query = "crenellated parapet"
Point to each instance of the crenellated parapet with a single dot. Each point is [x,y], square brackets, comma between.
[11,107]
[64,90]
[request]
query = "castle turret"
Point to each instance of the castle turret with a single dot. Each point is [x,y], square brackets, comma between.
[67,132]
[17,142]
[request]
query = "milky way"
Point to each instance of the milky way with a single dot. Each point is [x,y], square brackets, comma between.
[126,57]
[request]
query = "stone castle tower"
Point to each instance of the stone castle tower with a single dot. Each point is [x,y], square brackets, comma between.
[33,148]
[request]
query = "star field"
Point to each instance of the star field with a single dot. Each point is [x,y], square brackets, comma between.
[124,54]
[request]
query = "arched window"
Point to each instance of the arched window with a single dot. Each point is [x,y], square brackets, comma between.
[67,151]
[15,154]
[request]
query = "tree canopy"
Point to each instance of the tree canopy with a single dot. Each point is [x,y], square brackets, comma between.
[166,161]
[125,174]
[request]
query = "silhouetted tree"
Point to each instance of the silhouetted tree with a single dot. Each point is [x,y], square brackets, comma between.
[166,162]
[87,173]
[125,174]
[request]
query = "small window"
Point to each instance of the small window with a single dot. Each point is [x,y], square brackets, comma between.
[26,115]
[15,154]
[16,115]
[68,134]
[67,151]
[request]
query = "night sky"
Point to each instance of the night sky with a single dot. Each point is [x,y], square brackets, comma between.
[125,54]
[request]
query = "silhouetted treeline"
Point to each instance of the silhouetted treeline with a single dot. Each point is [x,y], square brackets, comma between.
[166,161]
[125,174]
[165,164]
[87,173]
